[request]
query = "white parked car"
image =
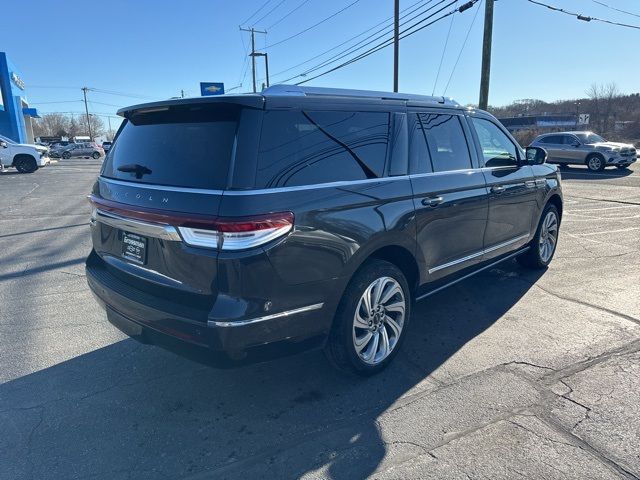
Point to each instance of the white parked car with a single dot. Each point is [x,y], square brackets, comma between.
[26,158]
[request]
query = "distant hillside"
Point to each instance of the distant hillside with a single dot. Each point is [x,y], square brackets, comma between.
[613,115]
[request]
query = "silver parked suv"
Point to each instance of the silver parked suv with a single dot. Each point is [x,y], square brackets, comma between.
[585,148]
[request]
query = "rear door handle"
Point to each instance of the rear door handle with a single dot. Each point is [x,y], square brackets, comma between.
[432,201]
[497,189]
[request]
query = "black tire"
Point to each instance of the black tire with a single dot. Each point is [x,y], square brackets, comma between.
[66,155]
[95,155]
[25,164]
[340,349]
[595,162]
[533,258]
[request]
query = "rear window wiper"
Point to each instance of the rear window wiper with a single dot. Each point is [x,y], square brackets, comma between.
[139,170]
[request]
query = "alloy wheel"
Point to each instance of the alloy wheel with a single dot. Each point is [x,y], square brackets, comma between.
[548,236]
[595,163]
[378,320]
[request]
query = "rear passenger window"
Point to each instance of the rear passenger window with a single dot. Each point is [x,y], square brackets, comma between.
[306,147]
[553,139]
[446,145]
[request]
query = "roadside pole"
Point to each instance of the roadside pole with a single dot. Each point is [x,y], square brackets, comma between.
[396,42]
[486,55]
[253,52]
[86,109]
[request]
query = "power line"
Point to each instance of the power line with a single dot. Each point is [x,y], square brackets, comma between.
[314,25]
[286,15]
[269,12]
[616,9]
[350,50]
[444,50]
[353,38]
[256,12]
[119,94]
[405,33]
[464,43]
[584,18]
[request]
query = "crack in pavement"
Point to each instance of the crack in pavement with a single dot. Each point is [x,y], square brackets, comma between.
[587,304]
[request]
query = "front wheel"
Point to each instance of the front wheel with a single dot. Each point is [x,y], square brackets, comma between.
[371,319]
[66,155]
[543,246]
[595,163]
[26,164]
[95,155]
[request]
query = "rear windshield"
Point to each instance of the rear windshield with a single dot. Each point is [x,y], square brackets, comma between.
[181,146]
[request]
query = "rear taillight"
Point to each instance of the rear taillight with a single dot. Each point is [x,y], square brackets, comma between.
[205,231]
[239,233]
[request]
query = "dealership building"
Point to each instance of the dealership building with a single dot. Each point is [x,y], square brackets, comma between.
[15,114]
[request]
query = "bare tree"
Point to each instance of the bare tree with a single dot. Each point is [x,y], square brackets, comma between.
[51,124]
[97,126]
[603,98]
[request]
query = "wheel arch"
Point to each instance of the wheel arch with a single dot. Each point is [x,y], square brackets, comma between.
[556,201]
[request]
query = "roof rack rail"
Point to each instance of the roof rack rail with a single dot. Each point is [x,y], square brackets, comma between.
[296,90]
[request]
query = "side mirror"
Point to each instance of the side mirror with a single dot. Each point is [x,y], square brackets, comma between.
[536,155]
[3,144]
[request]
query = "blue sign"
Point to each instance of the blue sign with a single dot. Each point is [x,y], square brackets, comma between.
[211,88]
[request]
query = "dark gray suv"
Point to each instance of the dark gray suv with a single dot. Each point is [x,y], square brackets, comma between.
[238,228]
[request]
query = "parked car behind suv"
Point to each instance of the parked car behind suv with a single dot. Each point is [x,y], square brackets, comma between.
[243,227]
[26,158]
[79,150]
[585,148]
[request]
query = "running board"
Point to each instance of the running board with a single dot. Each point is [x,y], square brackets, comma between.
[464,277]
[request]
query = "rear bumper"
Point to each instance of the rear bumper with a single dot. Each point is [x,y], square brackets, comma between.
[215,341]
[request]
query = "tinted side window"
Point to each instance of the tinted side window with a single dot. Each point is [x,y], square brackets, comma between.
[497,149]
[446,144]
[306,148]
[569,140]
[554,139]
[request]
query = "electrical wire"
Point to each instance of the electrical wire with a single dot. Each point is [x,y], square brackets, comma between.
[339,56]
[269,12]
[616,9]
[585,18]
[286,15]
[405,33]
[464,43]
[314,25]
[444,50]
[256,12]
[352,38]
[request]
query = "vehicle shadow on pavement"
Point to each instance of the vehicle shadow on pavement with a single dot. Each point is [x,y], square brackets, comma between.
[135,411]
[582,173]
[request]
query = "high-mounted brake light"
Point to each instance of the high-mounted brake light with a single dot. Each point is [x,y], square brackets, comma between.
[208,231]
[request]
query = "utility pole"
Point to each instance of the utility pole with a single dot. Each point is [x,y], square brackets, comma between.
[253,52]
[181,93]
[86,109]
[396,42]
[486,55]
[109,120]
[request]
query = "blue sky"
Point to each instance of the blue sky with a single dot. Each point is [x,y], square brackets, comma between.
[153,49]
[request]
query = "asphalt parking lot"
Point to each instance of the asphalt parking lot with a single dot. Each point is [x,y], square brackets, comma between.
[509,374]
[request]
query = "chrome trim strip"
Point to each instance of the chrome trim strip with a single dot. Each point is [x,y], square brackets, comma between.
[287,313]
[477,254]
[263,191]
[471,274]
[161,187]
[165,232]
